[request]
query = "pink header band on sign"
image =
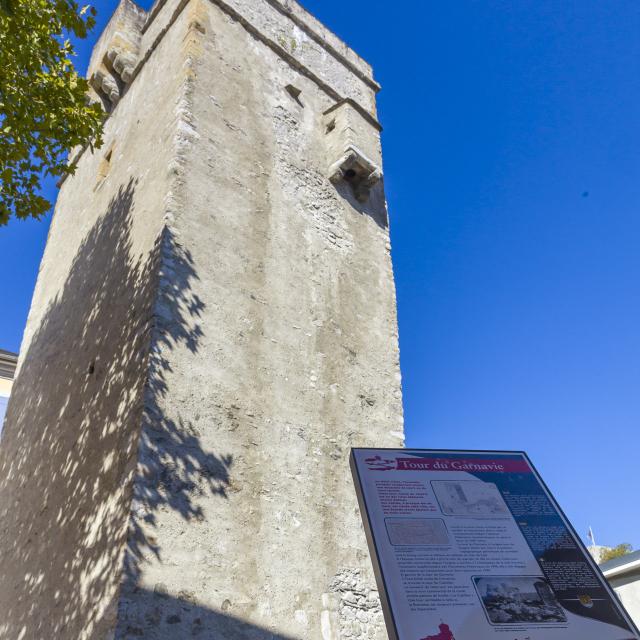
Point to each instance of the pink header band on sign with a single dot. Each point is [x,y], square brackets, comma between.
[470,465]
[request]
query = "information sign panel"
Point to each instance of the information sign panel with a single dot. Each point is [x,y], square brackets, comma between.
[471,545]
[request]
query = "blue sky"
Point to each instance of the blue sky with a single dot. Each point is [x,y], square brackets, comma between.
[512,146]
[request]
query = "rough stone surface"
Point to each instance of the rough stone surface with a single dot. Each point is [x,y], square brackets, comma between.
[213,328]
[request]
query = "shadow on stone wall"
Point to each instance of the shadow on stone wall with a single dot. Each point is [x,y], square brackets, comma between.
[170,618]
[375,206]
[69,448]
[173,468]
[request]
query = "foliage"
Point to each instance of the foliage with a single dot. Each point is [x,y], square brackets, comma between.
[44,110]
[615,552]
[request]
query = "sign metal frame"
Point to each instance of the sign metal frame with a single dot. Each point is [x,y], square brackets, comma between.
[374,552]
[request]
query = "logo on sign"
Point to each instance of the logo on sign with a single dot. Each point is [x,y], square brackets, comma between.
[445,634]
[377,463]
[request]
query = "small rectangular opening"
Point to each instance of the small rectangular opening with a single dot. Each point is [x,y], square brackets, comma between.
[104,167]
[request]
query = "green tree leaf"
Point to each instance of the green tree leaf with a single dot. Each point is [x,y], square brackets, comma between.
[615,552]
[44,110]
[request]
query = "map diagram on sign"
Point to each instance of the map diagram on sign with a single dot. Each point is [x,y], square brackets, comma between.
[469,498]
[410,531]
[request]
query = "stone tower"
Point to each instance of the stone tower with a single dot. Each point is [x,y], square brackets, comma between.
[213,327]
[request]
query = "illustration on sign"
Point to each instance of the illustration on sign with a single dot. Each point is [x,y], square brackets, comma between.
[471,546]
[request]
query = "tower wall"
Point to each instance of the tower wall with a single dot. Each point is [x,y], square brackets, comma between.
[68,451]
[236,309]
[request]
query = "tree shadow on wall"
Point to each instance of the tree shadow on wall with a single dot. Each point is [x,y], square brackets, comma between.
[69,449]
[167,617]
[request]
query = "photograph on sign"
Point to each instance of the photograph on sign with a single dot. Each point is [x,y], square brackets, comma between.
[470,545]
[515,599]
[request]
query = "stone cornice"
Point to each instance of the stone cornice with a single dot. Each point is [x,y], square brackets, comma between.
[301,19]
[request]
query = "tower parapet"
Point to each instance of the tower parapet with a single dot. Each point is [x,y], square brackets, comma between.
[116,54]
